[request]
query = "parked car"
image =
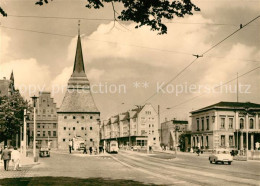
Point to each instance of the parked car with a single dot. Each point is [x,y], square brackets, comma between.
[44,152]
[221,155]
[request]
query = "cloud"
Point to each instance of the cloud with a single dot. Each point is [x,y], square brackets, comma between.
[30,77]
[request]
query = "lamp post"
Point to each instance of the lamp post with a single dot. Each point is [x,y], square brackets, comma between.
[34,99]
[177,128]
[24,145]
[247,110]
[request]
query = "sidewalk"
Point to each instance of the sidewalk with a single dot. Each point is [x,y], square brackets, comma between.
[25,161]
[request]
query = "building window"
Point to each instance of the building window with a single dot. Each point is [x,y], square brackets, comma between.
[90,128]
[54,133]
[65,117]
[43,133]
[222,140]
[198,124]
[54,125]
[241,123]
[82,117]
[251,122]
[82,128]
[154,139]
[63,139]
[91,139]
[230,124]
[64,128]
[207,121]
[222,125]
[49,133]
[73,128]
[43,126]
[38,126]
[202,124]
[74,117]
[207,141]
[38,133]
[91,117]
[230,141]
[202,142]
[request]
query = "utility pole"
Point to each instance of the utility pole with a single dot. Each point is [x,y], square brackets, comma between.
[246,133]
[34,98]
[237,87]
[159,124]
[24,132]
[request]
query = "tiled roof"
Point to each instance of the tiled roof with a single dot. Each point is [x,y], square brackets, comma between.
[234,105]
[124,116]
[75,101]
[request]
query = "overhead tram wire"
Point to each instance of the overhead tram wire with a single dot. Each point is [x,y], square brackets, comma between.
[111,19]
[70,36]
[218,86]
[198,56]
[56,17]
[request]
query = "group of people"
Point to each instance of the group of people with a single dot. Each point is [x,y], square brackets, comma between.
[8,155]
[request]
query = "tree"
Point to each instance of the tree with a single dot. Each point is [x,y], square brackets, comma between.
[143,12]
[11,115]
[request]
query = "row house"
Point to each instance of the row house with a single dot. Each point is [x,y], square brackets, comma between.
[225,125]
[136,127]
[46,122]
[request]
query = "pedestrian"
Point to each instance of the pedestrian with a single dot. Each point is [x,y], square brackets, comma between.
[70,146]
[16,158]
[90,150]
[6,156]
[198,151]
[85,150]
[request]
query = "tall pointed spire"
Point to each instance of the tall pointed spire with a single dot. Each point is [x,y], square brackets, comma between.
[79,69]
[12,76]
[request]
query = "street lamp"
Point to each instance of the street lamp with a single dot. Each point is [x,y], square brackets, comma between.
[24,143]
[34,99]
[247,110]
[177,128]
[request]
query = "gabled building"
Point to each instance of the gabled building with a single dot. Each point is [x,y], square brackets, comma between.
[46,122]
[136,127]
[7,86]
[225,124]
[78,116]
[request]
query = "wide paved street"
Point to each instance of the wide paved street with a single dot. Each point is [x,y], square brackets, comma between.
[132,168]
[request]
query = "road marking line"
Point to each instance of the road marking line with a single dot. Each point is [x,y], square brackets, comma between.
[220,176]
[175,181]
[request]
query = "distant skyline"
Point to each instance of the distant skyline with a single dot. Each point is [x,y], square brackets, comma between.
[138,59]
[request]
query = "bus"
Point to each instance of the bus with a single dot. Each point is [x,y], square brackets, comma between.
[112,147]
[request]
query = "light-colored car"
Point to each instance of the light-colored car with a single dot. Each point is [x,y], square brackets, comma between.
[221,155]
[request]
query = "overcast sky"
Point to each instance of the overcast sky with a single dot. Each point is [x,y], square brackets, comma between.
[125,55]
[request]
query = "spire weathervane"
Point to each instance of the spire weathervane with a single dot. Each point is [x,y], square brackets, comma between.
[79,27]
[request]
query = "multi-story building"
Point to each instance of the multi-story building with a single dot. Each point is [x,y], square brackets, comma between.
[46,122]
[78,116]
[171,131]
[136,127]
[226,124]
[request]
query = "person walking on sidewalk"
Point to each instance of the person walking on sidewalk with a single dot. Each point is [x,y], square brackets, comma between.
[16,158]
[70,146]
[6,156]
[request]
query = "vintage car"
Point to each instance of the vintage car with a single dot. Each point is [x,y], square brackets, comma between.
[221,155]
[44,152]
